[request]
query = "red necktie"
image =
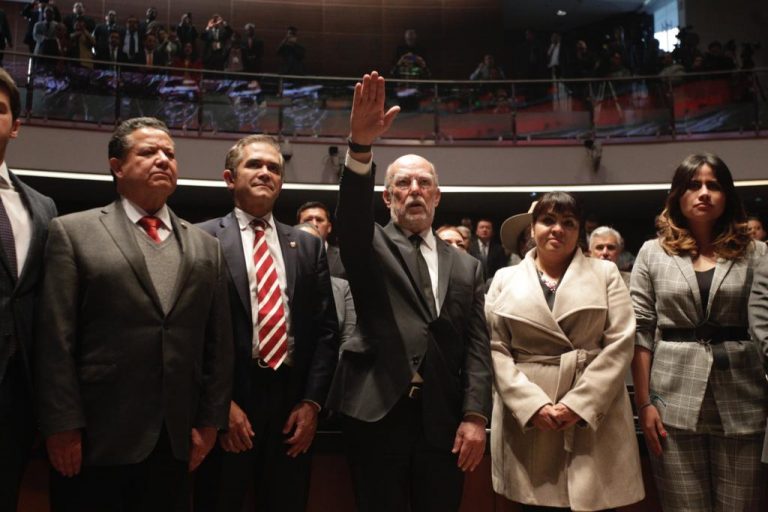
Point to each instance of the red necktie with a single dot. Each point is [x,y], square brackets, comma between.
[150,225]
[273,335]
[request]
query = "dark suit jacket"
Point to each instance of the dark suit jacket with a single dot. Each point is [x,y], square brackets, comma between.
[5,31]
[106,55]
[334,262]
[397,332]
[313,316]
[158,59]
[497,258]
[109,360]
[101,34]
[19,296]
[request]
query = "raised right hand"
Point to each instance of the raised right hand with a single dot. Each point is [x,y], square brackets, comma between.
[368,121]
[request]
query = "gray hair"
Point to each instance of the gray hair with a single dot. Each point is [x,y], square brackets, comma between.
[606,231]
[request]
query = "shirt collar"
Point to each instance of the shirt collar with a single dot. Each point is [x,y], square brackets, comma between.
[427,237]
[244,219]
[5,175]
[135,213]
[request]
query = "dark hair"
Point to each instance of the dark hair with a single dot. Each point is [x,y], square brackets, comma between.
[731,237]
[119,143]
[312,204]
[9,87]
[235,153]
[561,203]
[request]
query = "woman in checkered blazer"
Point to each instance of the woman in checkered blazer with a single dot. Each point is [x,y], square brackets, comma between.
[699,387]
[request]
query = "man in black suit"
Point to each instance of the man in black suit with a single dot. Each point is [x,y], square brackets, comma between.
[317,214]
[78,13]
[24,217]
[276,400]
[415,388]
[103,31]
[113,52]
[151,57]
[134,355]
[486,249]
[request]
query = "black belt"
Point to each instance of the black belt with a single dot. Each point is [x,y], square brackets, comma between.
[706,333]
[709,334]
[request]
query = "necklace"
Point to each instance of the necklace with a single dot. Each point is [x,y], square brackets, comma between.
[549,282]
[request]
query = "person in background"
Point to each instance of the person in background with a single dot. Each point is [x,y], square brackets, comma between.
[606,243]
[451,236]
[755,227]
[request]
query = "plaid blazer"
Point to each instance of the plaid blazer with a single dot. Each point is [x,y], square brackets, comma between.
[666,295]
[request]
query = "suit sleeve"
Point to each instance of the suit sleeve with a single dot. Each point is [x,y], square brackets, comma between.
[644,299]
[355,222]
[58,392]
[218,358]
[477,364]
[521,396]
[326,332]
[758,309]
[604,377]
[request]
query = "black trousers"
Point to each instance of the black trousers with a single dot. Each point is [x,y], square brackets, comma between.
[394,467]
[17,430]
[280,483]
[156,484]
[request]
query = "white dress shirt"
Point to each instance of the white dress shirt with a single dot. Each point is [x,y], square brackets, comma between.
[135,213]
[247,236]
[21,221]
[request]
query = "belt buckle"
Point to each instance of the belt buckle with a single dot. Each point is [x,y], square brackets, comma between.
[704,333]
[414,392]
[262,363]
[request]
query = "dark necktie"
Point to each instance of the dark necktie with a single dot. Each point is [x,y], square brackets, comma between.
[7,239]
[425,283]
[150,225]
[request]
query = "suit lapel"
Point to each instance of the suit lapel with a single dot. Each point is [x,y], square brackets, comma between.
[722,267]
[39,227]
[232,247]
[187,250]
[685,265]
[575,291]
[288,246]
[118,226]
[405,251]
[444,265]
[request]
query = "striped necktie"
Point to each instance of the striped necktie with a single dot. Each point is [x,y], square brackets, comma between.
[271,327]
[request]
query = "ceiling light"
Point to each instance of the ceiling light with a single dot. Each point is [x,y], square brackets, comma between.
[561,12]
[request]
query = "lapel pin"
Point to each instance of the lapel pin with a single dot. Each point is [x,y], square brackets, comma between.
[292,244]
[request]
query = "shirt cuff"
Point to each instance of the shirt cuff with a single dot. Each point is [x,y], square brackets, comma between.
[357,167]
[476,415]
[312,402]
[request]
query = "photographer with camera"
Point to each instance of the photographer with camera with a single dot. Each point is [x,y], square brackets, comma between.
[216,38]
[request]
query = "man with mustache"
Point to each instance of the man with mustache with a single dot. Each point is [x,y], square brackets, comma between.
[606,243]
[414,389]
[134,349]
[286,341]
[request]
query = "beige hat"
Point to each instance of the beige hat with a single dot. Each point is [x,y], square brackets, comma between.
[513,226]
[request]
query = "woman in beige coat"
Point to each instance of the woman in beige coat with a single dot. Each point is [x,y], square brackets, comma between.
[562,334]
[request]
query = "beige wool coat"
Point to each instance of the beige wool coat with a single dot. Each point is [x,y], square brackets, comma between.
[577,354]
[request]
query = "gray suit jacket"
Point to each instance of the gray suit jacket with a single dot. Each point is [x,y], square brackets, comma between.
[666,294]
[345,309]
[109,360]
[19,295]
[758,321]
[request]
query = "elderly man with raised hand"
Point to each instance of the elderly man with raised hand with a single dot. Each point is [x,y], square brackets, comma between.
[414,390]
